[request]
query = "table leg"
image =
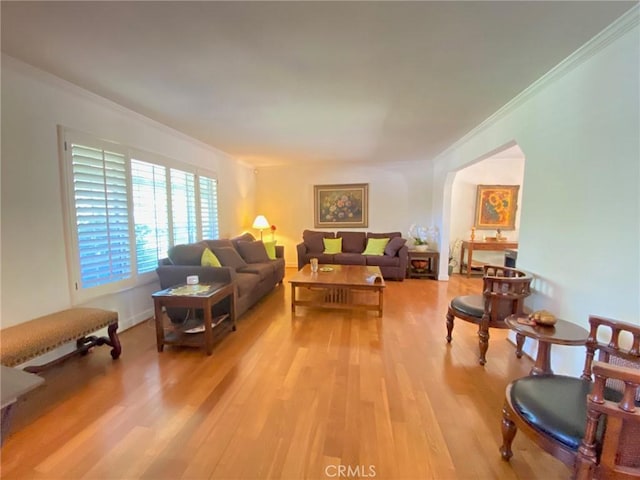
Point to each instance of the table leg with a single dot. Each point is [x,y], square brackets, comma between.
[469,257]
[293,298]
[157,304]
[461,258]
[208,331]
[380,301]
[543,360]
[232,311]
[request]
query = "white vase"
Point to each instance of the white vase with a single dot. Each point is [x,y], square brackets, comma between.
[421,248]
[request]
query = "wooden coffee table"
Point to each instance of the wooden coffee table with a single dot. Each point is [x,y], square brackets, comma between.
[339,286]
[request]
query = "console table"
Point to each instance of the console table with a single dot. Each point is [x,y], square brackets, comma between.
[471,245]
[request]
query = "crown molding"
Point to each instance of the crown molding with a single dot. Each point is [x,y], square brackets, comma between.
[610,34]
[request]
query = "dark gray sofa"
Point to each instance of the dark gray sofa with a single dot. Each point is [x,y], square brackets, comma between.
[253,279]
[393,264]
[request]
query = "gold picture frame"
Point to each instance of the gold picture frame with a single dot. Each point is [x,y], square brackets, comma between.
[344,205]
[496,207]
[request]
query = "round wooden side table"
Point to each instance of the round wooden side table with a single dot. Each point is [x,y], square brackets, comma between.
[562,333]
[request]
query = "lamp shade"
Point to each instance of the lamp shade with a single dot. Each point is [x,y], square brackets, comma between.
[260,222]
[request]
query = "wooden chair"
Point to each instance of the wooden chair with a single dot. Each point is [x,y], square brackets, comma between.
[592,426]
[503,293]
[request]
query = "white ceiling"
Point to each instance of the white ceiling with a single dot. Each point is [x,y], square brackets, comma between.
[281,82]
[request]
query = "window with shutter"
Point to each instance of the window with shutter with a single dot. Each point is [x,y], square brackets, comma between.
[150,213]
[183,207]
[123,214]
[209,208]
[101,215]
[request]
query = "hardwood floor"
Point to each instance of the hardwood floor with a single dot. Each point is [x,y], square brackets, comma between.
[322,394]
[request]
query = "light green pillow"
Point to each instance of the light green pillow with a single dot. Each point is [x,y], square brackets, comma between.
[375,246]
[270,247]
[332,245]
[209,259]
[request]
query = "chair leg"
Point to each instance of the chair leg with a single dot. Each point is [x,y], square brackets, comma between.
[449,325]
[519,344]
[509,431]
[483,339]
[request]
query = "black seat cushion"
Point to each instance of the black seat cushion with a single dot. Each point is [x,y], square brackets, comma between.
[556,405]
[472,305]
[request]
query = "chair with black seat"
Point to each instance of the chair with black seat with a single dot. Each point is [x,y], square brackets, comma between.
[591,426]
[503,292]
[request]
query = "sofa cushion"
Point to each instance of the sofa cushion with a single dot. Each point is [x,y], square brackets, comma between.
[332,245]
[323,258]
[253,252]
[384,235]
[262,270]
[375,246]
[187,254]
[350,259]
[270,247]
[246,282]
[209,259]
[394,245]
[383,261]
[313,240]
[245,237]
[352,242]
[229,257]
[220,242]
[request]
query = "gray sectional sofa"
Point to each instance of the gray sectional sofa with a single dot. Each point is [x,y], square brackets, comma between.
[243,263]
[393,264]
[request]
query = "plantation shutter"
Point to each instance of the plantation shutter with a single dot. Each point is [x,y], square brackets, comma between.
[150,213]
[183,207]
[209,208]
[101,215]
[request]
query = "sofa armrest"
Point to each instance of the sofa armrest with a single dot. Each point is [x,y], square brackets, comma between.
[301,248]
[403,253]
[171,275]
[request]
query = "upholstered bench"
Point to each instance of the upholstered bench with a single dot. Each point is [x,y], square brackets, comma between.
[31,339]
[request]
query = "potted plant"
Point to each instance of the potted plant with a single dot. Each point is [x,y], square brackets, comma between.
[419,236]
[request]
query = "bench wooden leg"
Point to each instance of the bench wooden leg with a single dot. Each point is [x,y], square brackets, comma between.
[114,341]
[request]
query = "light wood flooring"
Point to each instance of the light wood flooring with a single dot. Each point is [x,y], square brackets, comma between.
[320,395]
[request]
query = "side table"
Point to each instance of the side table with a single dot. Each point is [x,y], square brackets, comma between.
[201,296]
[562,333]
[423,264]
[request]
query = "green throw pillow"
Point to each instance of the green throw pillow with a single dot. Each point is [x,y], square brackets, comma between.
[270,247]
[209,259]
[332,245]
[375,246]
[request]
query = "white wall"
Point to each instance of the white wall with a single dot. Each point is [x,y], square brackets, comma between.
[580,223]
[398,197]
[492,171]
[34,265]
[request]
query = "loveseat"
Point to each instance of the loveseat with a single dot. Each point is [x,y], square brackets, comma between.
[244,262]
[392,261]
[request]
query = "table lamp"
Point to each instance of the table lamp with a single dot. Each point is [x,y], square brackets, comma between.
[260,223]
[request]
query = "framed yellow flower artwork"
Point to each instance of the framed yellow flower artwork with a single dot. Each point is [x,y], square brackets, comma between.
[341,205]
[496,207]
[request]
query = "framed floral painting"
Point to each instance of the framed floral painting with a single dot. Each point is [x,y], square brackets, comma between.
[496,207]
[341,205]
